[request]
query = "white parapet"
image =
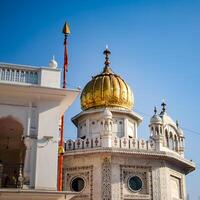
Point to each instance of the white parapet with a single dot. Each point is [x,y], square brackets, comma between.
[29,75]
[115,142]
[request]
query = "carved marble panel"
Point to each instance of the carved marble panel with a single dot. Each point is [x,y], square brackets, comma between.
[85,172]
[144,173]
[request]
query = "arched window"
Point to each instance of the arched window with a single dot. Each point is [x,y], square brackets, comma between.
[171,143]
[157,131]
[151,131]
[166,139]
[175,143]
[182,143]
[12,150]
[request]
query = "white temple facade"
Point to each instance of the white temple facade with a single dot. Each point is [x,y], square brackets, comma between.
[109,160]
[31,105]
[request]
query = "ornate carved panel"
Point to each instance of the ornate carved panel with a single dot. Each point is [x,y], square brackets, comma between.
[85,172]
[144,174]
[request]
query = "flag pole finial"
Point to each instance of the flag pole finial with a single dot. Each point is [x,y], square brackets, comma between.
[66,29]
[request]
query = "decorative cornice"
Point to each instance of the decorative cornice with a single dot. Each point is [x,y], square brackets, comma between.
[187,165]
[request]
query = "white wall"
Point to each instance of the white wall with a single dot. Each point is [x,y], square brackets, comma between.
[91,125]
[50,78]
[47,148]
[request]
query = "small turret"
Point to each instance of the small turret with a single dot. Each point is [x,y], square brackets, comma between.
[156,129]
[165,132]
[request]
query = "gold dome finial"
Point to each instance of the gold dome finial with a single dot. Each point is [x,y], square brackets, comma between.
[107,68]
[66,29]
[107,53]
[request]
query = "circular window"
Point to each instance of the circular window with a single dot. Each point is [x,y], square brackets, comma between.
[77,184]
[135,183]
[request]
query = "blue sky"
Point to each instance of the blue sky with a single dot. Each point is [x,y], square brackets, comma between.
[155,47]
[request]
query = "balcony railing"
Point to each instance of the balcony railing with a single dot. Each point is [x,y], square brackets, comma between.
[15,74]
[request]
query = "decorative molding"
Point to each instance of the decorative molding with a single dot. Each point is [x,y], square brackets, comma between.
[106,179]
[188,166]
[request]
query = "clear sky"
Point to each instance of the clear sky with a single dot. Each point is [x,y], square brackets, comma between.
[155,47]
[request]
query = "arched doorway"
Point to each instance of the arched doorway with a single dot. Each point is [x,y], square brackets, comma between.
[12,151]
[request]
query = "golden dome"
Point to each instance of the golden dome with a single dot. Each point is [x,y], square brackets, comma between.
[107,90]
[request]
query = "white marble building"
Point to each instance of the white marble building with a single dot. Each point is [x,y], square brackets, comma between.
[109,161]
[31,104]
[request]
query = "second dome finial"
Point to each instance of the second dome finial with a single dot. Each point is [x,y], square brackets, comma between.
[163,107]
[155,110]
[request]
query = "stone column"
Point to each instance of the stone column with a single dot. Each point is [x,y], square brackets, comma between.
[27,167]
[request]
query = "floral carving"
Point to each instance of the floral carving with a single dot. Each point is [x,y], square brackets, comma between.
[106,179]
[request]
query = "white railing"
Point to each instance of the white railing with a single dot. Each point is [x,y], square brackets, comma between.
[122,143]
[82,144]
[129,143]
[18,75]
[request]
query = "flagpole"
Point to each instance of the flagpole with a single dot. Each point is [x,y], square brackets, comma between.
[66,32]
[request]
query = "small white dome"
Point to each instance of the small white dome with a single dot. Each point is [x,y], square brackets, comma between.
[156,119]
[180,131]
[107,114]
[53,64]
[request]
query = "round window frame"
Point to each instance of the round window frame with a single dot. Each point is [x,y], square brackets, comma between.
[129,187]
[76,178]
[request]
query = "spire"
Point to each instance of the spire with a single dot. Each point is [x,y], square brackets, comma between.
[155,110]
[107,61]
[163,107]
